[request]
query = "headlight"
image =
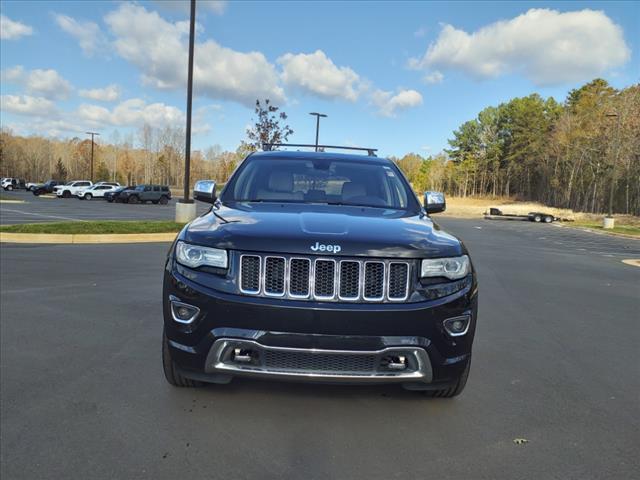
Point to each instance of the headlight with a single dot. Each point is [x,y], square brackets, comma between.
[196,256]
[452,268]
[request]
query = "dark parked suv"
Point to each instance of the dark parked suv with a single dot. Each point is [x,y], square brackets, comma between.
[146,193]
[319,266]
[46,187]
[114,196]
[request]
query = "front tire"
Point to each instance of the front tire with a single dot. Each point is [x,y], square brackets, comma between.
[10,187]
[537,218]
[133,199]
[171,373]
[548,219]
[164,200]
[66,194]
[88,196]
[454,390]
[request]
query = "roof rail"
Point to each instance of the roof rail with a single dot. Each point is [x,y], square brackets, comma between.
[267,147]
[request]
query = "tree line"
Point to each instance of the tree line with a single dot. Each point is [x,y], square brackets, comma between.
[582,154]
[151,155]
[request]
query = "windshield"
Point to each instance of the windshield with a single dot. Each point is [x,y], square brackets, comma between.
[329,181]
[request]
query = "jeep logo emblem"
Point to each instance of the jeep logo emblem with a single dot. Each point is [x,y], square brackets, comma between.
[319,247]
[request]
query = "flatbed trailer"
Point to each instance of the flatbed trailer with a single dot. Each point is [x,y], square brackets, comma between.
[537,217]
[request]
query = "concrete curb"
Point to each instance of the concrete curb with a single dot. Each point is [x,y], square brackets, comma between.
[6,237]
[12,201]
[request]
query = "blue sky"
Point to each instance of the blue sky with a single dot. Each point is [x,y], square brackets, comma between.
[400,76]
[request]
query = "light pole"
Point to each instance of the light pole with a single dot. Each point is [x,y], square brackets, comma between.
[317,115]
[609,221]
[186,209]
[93,134]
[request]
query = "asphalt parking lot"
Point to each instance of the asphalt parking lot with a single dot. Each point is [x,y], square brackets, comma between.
[555,362]
[51,209]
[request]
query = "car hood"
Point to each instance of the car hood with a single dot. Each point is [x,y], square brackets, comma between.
[321,230]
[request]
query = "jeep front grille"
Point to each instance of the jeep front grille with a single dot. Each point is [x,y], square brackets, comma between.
[325,279]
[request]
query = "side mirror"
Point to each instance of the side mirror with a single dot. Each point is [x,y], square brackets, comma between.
[205,191]
[434,202]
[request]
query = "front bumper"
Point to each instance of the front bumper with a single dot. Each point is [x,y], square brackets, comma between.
[314,341]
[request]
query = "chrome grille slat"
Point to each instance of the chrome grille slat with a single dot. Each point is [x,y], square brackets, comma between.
[274,276]
[325,278]
[299,276]
[250,273]
[349,288]
[398,282]
[374,279]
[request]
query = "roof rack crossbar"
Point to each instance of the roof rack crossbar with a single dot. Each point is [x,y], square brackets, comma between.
[267,147]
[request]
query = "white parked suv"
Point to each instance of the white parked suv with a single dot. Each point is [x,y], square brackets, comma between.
[12,183]
[113,184]
[95,191]
[71,189]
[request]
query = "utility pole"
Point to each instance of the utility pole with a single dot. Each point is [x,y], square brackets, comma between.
[317,115]
[93,134]
[609,221]
[185,209]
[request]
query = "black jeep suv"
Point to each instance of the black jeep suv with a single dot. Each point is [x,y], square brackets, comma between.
[145,193]
[322,267]
[46,187]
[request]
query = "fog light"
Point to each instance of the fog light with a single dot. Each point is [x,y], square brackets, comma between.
[394,362]
[457,326]
[240,355]
[183,312]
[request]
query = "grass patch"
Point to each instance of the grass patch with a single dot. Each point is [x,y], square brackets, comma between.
[99,227]
[473,207]
[626,229]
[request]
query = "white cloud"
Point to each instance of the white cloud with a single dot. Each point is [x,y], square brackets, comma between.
[315,73]
[544,45]
[216,6]
[131,113]
[12,30]
[46,83]
[389,104]
[159,49]
[13,74]
[44,116]
[434,77]
[27,105]
[88,34]
[110,93]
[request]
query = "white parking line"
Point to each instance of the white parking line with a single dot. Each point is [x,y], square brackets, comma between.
[42,215]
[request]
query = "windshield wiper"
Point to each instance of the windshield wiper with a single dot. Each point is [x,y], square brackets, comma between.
[261,200]
[361,205]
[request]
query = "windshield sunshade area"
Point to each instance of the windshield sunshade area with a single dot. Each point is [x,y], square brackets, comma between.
[326,181]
